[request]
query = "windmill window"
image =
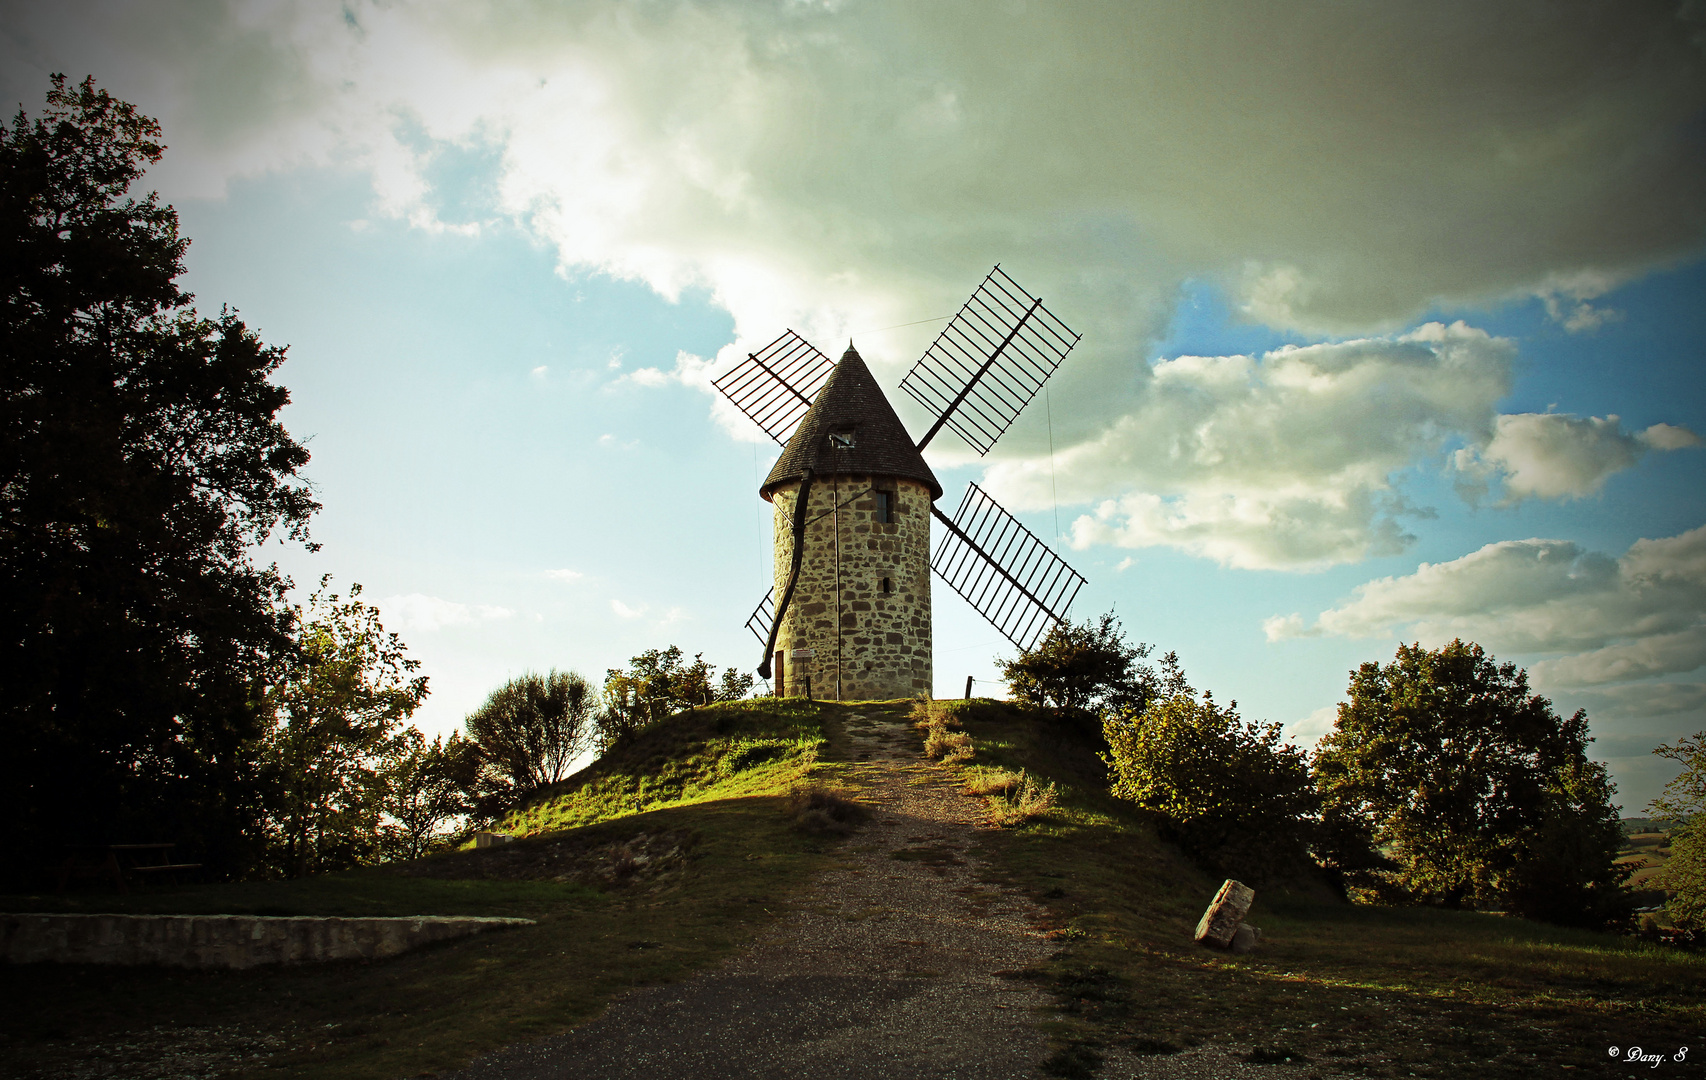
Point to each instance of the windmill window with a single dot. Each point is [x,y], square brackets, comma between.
[839,440]
[885,508]
[888,585]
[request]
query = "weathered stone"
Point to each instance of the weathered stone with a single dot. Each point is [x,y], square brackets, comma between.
[491,839]
[1246,939]
[223,941]
[1220,922]
[883,647]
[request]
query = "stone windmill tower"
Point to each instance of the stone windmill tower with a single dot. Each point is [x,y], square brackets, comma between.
[854,499]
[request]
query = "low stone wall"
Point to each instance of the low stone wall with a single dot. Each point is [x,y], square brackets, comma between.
[223,941]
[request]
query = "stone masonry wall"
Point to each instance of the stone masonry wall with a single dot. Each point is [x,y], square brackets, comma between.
[224,941]
[884,641]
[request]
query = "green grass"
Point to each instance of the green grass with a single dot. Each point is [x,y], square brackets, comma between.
[433,1009]
[724,751]
[1372,990]
[1367,990]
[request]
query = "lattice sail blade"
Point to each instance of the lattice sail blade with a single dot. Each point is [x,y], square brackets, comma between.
[1003,570]
[775,386]
[989,362]
[762,616]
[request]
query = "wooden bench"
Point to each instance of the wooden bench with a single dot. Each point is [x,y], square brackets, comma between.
[114,861]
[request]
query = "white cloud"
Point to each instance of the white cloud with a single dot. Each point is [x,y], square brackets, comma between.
[1282,460]
[1639,616]
[1566,298]
[564,575]
[540,371]
[646,376]
[627,612]
[835,166]
[1293,459]
[1320,722]
[417,611]
[1558,456]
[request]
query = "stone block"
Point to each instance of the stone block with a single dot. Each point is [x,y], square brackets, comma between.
[1223,917]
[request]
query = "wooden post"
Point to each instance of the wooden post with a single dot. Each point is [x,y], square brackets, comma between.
[781,676]
[968,687]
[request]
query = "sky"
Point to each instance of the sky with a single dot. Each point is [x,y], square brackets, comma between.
[1392,315]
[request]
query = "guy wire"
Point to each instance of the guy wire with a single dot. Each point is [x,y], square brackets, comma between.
[1048,410]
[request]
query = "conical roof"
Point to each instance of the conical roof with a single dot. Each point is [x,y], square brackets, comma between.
[868,438]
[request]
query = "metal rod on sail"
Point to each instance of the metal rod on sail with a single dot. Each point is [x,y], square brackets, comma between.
[966,389]
[978,548]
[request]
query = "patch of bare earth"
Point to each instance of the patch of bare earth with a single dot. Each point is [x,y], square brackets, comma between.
[890,966]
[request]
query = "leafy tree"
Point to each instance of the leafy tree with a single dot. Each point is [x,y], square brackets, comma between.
[1445,764]
[340,707]
[1085,672]
[141,461]
[1685,799]
[656,685]
[531,729]
[422,792]
[1231,793]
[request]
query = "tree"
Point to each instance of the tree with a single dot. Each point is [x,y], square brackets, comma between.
[1231,793]
[1685,800]
[141,461]
[1084,672]
[340,707]
[1471,789]
[531,729]
[657,685]
[422,789]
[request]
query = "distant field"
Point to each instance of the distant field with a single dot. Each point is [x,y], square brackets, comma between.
[1649,849]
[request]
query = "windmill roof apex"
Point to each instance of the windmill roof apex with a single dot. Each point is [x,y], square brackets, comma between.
[851,429]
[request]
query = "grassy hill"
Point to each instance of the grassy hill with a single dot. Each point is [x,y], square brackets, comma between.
[678,847]
[1365,990]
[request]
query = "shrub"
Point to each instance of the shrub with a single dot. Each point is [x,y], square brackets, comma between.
[818,808]
[1085,673]
[1228,792]
[1685,872]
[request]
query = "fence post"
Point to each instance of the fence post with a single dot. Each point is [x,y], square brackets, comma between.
[968,687]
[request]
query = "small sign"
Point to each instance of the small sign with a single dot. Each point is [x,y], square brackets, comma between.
[803,654]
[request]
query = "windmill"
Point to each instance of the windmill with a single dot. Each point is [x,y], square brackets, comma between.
[853,498]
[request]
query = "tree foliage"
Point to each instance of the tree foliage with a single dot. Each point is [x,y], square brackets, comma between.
[1231,793]
[425,791]
[340,709]
[1084,672]
[657,684]
[1684,798]
[1446,781]
[531,729]
[141,459]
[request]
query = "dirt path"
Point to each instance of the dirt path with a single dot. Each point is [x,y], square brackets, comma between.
[886,968]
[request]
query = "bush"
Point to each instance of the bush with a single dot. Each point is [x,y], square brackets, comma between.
[1685,871]
[818,808]
[1230,793]
[1085,673]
